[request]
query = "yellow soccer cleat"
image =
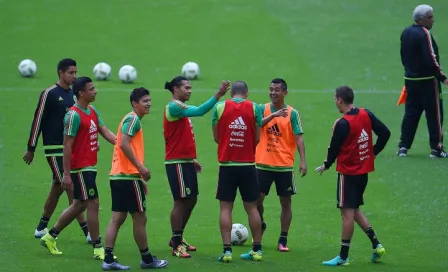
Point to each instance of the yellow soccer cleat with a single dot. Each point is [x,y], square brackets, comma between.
[49,242]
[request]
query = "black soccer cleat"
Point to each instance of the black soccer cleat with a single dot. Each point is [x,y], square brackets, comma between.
[438,154]
[402,152]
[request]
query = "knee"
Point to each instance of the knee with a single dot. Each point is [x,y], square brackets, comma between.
[285,202]
[139,218]
[93,204]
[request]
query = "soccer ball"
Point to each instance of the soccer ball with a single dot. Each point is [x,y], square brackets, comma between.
[239,234]
[190,70]
[27,68]
[127,74]
[101,71]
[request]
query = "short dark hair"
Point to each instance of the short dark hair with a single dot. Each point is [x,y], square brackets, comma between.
[280,81]
[239,87]
[137,94]
[346,94]
[175,82]
[79,84]
[64,64]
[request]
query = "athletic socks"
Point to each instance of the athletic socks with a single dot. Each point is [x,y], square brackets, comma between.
[43,223]
[109,255]
[146,256]
[345,246]
[227,247]
[283,238]
[371,234]
[54,232]
[84,228]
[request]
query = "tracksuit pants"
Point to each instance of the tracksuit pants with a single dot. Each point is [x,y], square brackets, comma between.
[423,95]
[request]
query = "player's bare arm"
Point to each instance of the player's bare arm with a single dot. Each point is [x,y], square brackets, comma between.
[257,134]
[67,183]
[215,133]
[125,145]
[108,135]
[279,113]
[301,148]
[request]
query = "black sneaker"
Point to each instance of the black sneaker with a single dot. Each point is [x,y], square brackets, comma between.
[438,154]
[402,152]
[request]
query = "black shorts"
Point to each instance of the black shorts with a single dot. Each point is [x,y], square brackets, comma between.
[84,184]
[128,196]
[57,168]
[350,190]
[231,178]
[284,182]
[183,180]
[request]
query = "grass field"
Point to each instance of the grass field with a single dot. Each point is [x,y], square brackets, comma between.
[316,45]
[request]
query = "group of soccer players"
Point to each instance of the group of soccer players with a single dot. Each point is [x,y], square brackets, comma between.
[256,146]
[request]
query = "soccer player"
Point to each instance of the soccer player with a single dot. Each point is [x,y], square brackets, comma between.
[49,119]
[81,126]
[236,129]
[281,134]
[180,156]
[352,146]
[127,183]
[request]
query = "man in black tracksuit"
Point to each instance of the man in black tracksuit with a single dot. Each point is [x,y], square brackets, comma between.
[423,77]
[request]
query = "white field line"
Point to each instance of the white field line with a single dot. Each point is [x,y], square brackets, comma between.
[128,89]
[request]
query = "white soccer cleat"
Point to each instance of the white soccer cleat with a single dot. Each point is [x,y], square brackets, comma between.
[40,233]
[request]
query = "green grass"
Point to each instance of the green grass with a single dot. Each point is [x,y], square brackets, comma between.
[315,45]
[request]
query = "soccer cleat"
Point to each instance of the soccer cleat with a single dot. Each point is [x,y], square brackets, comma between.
[252,256]
[402,152]
[378,252]
[100,254]
[40,233]
[282,248]
[336,262]
[181,252]
[226,257]
[438,154]
[187,246]
[50,243]
[156,263]
[114,266]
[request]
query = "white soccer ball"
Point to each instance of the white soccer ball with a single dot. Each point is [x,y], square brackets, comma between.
[101,71]
[127,74]
[190,70]
[27,68]
[239,234]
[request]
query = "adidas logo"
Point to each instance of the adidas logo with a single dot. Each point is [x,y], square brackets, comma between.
[60,99]
[363,137]
[274,130]
[93,127]
[238,123]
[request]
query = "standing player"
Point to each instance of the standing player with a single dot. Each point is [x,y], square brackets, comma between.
[81,126]
[352,146]
[180,156]
[280,136]
[423,76]
[48,119]
[127,183]
[236,129]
